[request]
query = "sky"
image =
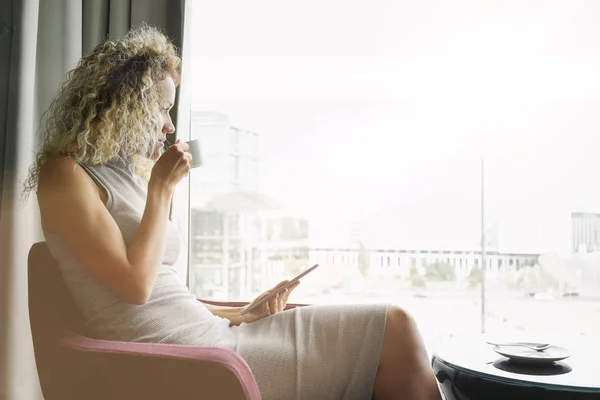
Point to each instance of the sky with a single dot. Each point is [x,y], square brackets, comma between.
[381,111]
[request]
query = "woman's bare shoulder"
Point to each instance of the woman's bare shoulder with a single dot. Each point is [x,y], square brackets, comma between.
[63,184]
[63,176]
[57,170]
[60,177]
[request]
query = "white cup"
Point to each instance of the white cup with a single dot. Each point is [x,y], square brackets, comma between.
[194,150]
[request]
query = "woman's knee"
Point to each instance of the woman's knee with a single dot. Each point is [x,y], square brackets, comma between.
[399,320]
[402,335]
[404,369]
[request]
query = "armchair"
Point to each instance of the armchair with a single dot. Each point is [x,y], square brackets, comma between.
[72,365]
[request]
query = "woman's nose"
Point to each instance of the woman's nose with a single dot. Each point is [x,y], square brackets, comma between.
[169,128]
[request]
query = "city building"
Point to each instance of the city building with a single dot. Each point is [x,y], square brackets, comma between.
[399,262]
[585,232]
[229,157]
[239,240]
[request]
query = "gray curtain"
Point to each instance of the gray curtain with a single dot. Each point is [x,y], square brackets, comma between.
[40,40]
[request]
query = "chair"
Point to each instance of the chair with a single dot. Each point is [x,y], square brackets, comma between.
[71,365]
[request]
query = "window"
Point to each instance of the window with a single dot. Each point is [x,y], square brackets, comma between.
[374,138]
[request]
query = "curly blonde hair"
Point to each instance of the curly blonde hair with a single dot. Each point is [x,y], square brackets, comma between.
[106,106]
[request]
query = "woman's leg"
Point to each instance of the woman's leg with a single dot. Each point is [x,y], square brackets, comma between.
[404,370]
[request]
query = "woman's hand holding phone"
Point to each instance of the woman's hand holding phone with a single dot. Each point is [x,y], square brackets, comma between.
[260,309]
[273,300]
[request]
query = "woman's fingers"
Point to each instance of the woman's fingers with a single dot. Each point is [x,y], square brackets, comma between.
[289,290]
[182,145]
[187,156]
[283,299]
[278,302]
[272,305]
[286,294]
[280,284]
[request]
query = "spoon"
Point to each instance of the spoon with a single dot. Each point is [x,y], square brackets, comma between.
[536,347]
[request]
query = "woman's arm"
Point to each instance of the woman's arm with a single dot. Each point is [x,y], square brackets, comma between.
[230,313]
[71,207]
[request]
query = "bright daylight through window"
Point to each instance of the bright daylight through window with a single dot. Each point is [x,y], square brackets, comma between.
[355,135]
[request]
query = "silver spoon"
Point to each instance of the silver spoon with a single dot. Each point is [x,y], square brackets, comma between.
[536,347]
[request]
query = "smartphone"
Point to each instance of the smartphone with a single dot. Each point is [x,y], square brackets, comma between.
[281,289]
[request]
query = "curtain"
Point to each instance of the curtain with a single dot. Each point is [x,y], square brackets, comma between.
[40,40]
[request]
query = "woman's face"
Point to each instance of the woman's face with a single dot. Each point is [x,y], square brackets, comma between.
[164,125]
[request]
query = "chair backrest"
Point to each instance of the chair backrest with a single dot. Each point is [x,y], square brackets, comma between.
[51,307]
[52,315]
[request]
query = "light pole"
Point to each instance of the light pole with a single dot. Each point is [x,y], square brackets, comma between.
[483,266]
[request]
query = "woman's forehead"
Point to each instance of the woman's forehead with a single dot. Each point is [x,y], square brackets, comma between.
[167,89]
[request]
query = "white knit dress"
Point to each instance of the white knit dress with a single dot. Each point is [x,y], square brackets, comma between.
[316,352]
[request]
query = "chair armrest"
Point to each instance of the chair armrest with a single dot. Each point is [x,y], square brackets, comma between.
[158,371]
[289,306]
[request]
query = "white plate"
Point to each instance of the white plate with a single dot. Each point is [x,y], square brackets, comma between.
[525,355]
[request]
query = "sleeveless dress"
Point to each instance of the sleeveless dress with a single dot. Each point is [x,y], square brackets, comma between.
[315,352]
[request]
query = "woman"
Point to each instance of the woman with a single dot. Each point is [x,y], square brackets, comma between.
[104,192]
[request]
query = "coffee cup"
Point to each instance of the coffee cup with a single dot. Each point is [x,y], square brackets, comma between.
[194,151]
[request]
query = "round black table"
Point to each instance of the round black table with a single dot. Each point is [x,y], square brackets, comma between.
[468,369]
